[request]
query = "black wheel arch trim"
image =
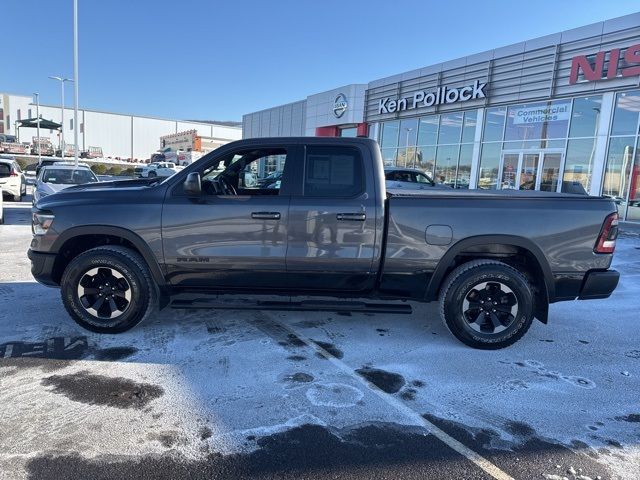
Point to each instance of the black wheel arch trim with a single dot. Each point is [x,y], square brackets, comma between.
[441,270]
[135,239]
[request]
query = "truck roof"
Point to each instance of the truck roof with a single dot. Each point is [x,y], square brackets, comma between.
[314,140]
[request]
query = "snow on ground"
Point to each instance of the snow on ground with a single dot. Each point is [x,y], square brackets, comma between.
[190,383]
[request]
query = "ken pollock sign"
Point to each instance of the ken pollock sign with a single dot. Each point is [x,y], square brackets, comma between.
[441,96]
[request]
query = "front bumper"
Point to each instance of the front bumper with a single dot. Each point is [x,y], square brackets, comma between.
[42,267]
[599,284]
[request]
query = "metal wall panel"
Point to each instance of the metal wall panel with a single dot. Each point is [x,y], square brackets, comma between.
[114,131]
[147,133]
[281,121]
[525,72]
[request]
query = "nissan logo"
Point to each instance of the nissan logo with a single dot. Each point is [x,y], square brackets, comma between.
[340,105]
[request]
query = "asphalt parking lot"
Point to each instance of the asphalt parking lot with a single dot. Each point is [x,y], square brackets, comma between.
[251,394]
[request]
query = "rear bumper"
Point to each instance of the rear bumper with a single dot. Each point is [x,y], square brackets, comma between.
[11,189]
[599,284]
[42,267]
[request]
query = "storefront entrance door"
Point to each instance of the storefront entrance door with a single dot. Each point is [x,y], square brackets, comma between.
[531,171]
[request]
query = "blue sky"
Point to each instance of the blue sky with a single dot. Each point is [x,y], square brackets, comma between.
[199,59]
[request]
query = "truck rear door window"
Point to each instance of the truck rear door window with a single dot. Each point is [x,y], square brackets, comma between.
[333,172]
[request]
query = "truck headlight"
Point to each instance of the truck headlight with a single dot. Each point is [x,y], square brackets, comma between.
[41,222]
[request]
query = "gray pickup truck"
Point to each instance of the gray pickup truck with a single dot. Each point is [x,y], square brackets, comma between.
[493,259]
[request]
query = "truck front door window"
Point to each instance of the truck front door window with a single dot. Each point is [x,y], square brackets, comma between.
[253,172]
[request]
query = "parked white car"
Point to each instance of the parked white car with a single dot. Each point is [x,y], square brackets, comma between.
[158,169]
[12,180]
[54,178]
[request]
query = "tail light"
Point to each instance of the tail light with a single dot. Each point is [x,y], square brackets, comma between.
[13,174]
[608,234]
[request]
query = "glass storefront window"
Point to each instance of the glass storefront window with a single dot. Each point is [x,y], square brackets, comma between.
[349,132]
[389,156]
[494,124]
[489,164]
[619,163]
[464,166]
[579,161]
[633,211]
[534,144]
[447,164]
[584,116]
[408,132]
[406,157]
[390,132]
[625,116]
[450,128]
[373,131]
[538,120]
[426,159]
[428,130]
[469,126]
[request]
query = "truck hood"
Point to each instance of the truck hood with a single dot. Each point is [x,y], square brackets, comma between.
[114,184]
[100,193]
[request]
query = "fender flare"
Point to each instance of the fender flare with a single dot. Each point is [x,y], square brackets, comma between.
[135,239]
[441,270]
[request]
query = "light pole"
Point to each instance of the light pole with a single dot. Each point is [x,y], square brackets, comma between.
[75,80]
[407,146]
[61,80]
[37,95]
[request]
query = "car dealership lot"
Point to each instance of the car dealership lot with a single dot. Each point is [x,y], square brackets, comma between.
[304,395]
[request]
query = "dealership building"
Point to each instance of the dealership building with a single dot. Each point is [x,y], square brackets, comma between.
[540,115]
[118,135]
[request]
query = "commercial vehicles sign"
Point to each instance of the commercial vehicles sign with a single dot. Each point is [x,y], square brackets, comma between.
[540,114]
[441,96]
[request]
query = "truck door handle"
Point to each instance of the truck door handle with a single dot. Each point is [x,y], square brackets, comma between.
[352,217]
[265,215]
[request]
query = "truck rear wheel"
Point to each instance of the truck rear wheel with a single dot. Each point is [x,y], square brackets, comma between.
[108,289]
[487,304]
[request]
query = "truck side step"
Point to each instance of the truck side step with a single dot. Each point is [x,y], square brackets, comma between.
[309,305]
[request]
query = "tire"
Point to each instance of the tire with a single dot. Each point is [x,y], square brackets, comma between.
[152,174]
[113,272]
[467,299]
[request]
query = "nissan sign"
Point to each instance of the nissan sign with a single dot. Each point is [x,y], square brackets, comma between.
[595,70]
[441,96]
[340,105]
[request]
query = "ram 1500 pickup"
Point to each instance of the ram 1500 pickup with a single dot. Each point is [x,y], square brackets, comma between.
[493,259]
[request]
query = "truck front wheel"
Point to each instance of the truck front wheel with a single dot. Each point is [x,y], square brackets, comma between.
[108,289]
[487,304]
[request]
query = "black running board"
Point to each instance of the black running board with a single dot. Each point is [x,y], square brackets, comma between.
[308,305]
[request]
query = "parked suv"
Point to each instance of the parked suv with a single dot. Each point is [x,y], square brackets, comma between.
[59,176]
[12,179]
[409,178]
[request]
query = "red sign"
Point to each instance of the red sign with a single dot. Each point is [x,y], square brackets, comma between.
[596,70]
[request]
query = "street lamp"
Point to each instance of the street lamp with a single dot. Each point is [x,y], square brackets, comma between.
[75,80]
[408,129]
[62,80]
[37,95]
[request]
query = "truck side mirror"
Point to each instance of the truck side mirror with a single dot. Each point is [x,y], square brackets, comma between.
[192,186]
